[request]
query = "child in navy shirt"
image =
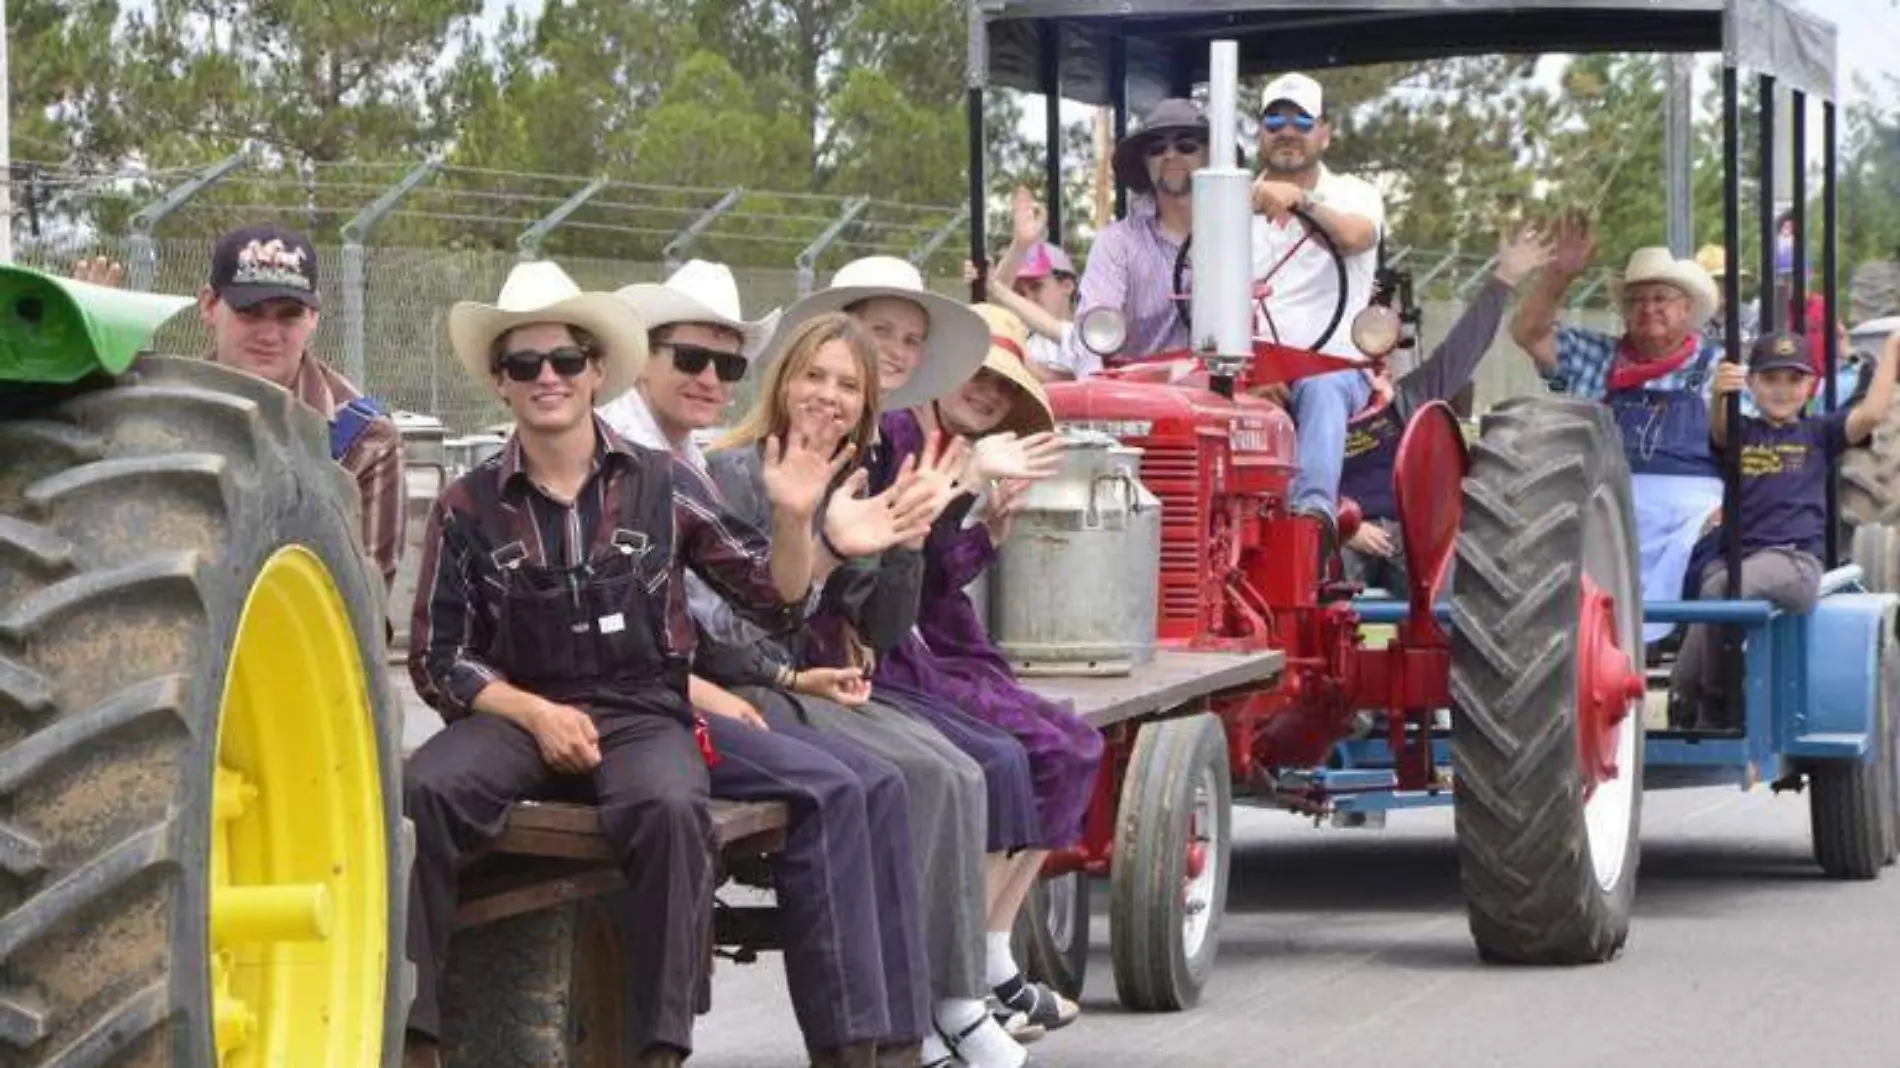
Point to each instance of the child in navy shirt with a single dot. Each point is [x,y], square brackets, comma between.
[1786,462]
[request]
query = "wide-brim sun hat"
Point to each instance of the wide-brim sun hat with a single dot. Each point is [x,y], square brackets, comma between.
[540,292]
[700,292]
[1175,115]
[954,350]
[1029,410]
[1657,265]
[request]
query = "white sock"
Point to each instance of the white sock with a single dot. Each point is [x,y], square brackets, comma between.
[934,1051]
[989,1046]
[1000,964]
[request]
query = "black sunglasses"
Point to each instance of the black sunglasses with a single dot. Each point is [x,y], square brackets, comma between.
[1183,146]
[1276,123]
[692,359]
[525,365]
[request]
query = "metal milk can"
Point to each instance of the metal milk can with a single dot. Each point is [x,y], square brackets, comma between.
[1143,545]
[1062,596]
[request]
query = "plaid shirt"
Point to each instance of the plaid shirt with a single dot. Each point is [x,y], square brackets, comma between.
[374,460]
[1131,269]
[1584,358]
[455,609]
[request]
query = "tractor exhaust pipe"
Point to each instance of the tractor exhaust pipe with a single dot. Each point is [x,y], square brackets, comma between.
[1222,255]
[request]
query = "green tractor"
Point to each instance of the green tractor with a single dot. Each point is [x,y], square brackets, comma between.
[203,860]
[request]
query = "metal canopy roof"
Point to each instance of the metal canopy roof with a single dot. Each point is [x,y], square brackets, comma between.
[1168,38]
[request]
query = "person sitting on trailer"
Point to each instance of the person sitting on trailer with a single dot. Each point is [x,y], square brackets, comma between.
[551,632]
[1131,265]
[1786,461]
[922,796]
[1034,279]
[1372,555]
[1654,377]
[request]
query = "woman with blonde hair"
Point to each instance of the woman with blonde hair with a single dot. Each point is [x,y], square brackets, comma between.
[821,383]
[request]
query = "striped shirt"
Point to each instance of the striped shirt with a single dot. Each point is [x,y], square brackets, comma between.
[459,586]
[374,460]
[1131,269]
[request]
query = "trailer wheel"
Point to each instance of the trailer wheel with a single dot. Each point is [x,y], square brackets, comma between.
[1052,933]
[1172,847]
[1854,806]
[1547,684]
[545,989]
[201,859]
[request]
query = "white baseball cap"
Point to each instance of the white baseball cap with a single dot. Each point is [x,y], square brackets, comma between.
[1297,89]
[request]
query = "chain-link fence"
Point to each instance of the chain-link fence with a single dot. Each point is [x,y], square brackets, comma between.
[415,240]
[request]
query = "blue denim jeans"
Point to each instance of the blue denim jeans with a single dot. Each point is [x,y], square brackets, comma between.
[1321,406]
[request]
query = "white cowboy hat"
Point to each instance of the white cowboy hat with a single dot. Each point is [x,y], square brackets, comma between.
[700,292]
[959,338]
[1656,264]
[540,292]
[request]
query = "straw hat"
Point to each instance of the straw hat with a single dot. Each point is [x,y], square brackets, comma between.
[1655,264]
[1714,259]
[1029,411]
[540,292]
[958,336]
[700,292]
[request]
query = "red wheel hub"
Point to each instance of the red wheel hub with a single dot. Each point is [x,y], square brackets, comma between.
[1606,685]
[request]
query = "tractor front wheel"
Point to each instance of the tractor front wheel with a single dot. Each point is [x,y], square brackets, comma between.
[1854,807]
[1172,845]
[1546,682]
[546,989]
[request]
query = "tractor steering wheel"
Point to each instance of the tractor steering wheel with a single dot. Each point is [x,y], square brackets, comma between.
[1183,298]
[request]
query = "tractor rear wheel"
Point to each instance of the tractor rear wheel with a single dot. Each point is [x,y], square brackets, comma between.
[1878,554]
[546,989]
[1052,933]
[1546,682]
[1172,853]
[202,861]
[1854,806]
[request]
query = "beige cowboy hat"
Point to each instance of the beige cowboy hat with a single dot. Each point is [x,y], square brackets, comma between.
[1656,264]
[700,292]
[1714,259]
[1029,411]
[958,336]
[540,292]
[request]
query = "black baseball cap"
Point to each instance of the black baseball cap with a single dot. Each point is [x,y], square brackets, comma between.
[259,263]
[1780,350]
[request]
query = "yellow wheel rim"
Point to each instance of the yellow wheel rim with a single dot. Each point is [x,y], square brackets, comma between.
[299,901]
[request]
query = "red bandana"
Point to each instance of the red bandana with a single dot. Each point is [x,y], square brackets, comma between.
[1630,371]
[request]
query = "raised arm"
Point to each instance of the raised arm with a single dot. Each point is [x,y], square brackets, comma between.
[1534,327]
[1872,409]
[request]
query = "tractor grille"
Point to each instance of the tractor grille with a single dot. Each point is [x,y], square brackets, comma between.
[1173,473]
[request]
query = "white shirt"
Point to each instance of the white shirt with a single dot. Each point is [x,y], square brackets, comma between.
[1306,288]
[1060,355]
[632,419]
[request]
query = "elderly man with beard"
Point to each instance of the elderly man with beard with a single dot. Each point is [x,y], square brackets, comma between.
[1303,283]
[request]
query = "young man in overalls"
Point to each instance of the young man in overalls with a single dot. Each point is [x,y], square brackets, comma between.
[551,632]
[1655,377]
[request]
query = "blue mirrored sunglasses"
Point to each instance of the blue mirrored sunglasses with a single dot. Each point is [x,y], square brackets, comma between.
[1276,123]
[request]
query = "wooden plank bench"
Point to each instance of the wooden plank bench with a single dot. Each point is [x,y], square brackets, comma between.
[554,852]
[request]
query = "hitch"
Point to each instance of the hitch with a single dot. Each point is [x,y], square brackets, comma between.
[1793,782]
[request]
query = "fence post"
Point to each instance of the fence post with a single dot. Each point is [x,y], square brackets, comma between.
[808,258]
[528,245]
[1437,269]
[355,304]
[670,256]
[143,268]
[944,233]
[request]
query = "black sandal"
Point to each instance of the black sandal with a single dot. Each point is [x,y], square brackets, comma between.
[1041,1005]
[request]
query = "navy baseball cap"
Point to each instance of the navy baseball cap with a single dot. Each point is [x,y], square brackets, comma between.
[1780,350]
[259,263]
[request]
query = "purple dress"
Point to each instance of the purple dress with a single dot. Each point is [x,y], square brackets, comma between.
[950,659]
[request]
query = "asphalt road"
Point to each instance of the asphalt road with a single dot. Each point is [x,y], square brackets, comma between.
[1350,948]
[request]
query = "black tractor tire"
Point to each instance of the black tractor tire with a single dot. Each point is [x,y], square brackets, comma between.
[1176,765]
[545,989]
[1547,497]
[135,518]
[1870,477]
[1854,806]
[1052,933]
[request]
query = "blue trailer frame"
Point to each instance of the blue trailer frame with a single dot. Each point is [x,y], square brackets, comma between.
[1811,686]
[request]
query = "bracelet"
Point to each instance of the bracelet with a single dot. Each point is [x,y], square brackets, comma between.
[793,685]
[824,540]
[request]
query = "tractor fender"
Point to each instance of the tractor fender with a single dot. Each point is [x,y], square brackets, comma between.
[1845,635]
